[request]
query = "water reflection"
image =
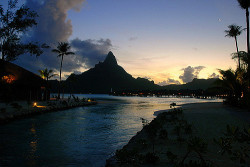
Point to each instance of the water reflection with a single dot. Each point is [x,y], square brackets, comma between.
[32,156]
[84,136]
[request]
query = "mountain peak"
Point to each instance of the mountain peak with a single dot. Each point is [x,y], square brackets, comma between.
[110,59]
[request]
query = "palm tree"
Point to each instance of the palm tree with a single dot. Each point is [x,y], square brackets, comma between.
[46,74]
[235,83]
[245,4]
[243,59]
[63,49]
[234,31]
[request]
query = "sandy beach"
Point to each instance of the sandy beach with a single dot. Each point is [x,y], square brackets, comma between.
[208,120]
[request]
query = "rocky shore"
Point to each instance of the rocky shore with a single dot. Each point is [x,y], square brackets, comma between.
[22,109]
[192,135]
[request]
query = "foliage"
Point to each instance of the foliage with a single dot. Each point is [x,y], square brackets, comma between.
[163,134]
[193,163]
[14,23]
[172,105]
[128,156]
[151,158]
[63,48]
[46,74]
[233,30]
[235,82]
[243,59]
[144,122]
[65,103]
[141,143]
[198,146]
[172,157]
[235,143]
[244,4]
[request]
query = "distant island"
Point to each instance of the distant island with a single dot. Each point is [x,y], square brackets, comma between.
[108,77]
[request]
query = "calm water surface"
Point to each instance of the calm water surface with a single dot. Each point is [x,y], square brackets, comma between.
[84,136]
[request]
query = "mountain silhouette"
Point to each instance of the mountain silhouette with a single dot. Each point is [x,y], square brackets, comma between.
[110,60]
[108,75]
[105,76]
[195,84]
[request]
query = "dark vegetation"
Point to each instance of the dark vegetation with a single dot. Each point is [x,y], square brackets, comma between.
[237,81]
[195,152]
[15,22]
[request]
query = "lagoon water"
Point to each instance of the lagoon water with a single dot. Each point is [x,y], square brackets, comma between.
[84,136]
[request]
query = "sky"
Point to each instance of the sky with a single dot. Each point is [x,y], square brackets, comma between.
[168,41]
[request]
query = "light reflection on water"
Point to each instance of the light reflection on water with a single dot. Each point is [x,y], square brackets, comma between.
[84,136]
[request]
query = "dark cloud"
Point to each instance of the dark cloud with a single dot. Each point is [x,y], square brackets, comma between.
[87,54]
[163,83]
[214,76]
[53,24]
[169,82]
[90,51]
[77,72]
[172,81]
[189,73]
[53,27]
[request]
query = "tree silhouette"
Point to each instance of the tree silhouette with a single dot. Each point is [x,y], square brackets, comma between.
[14,23]
[46,74]
[235,83]
[234,31]
[63,49]
[243,59]
[245,4]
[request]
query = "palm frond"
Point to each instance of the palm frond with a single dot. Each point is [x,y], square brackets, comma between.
[233,30]
[69,53]
[244,4]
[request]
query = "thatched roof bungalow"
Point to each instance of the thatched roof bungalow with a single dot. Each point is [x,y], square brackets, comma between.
[19,84]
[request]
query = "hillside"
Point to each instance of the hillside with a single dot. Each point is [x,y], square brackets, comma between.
[194,85]
[105,76]
[108,75]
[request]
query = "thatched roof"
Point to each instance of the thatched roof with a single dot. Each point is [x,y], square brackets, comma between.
[22,77]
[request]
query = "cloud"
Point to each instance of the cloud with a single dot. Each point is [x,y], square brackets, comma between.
[87,54]
[53,24]
[148,78]
[172,81]
[189,73]
[169,82]
[53,27]
[214,76]
[77,72]
[90,51]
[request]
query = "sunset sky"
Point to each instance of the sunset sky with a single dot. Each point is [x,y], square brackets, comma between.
[168,41]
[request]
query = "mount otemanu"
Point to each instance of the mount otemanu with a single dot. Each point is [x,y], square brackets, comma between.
[108,75]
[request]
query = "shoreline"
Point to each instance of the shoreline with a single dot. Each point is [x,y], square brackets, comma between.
[25,110]
[209,121]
